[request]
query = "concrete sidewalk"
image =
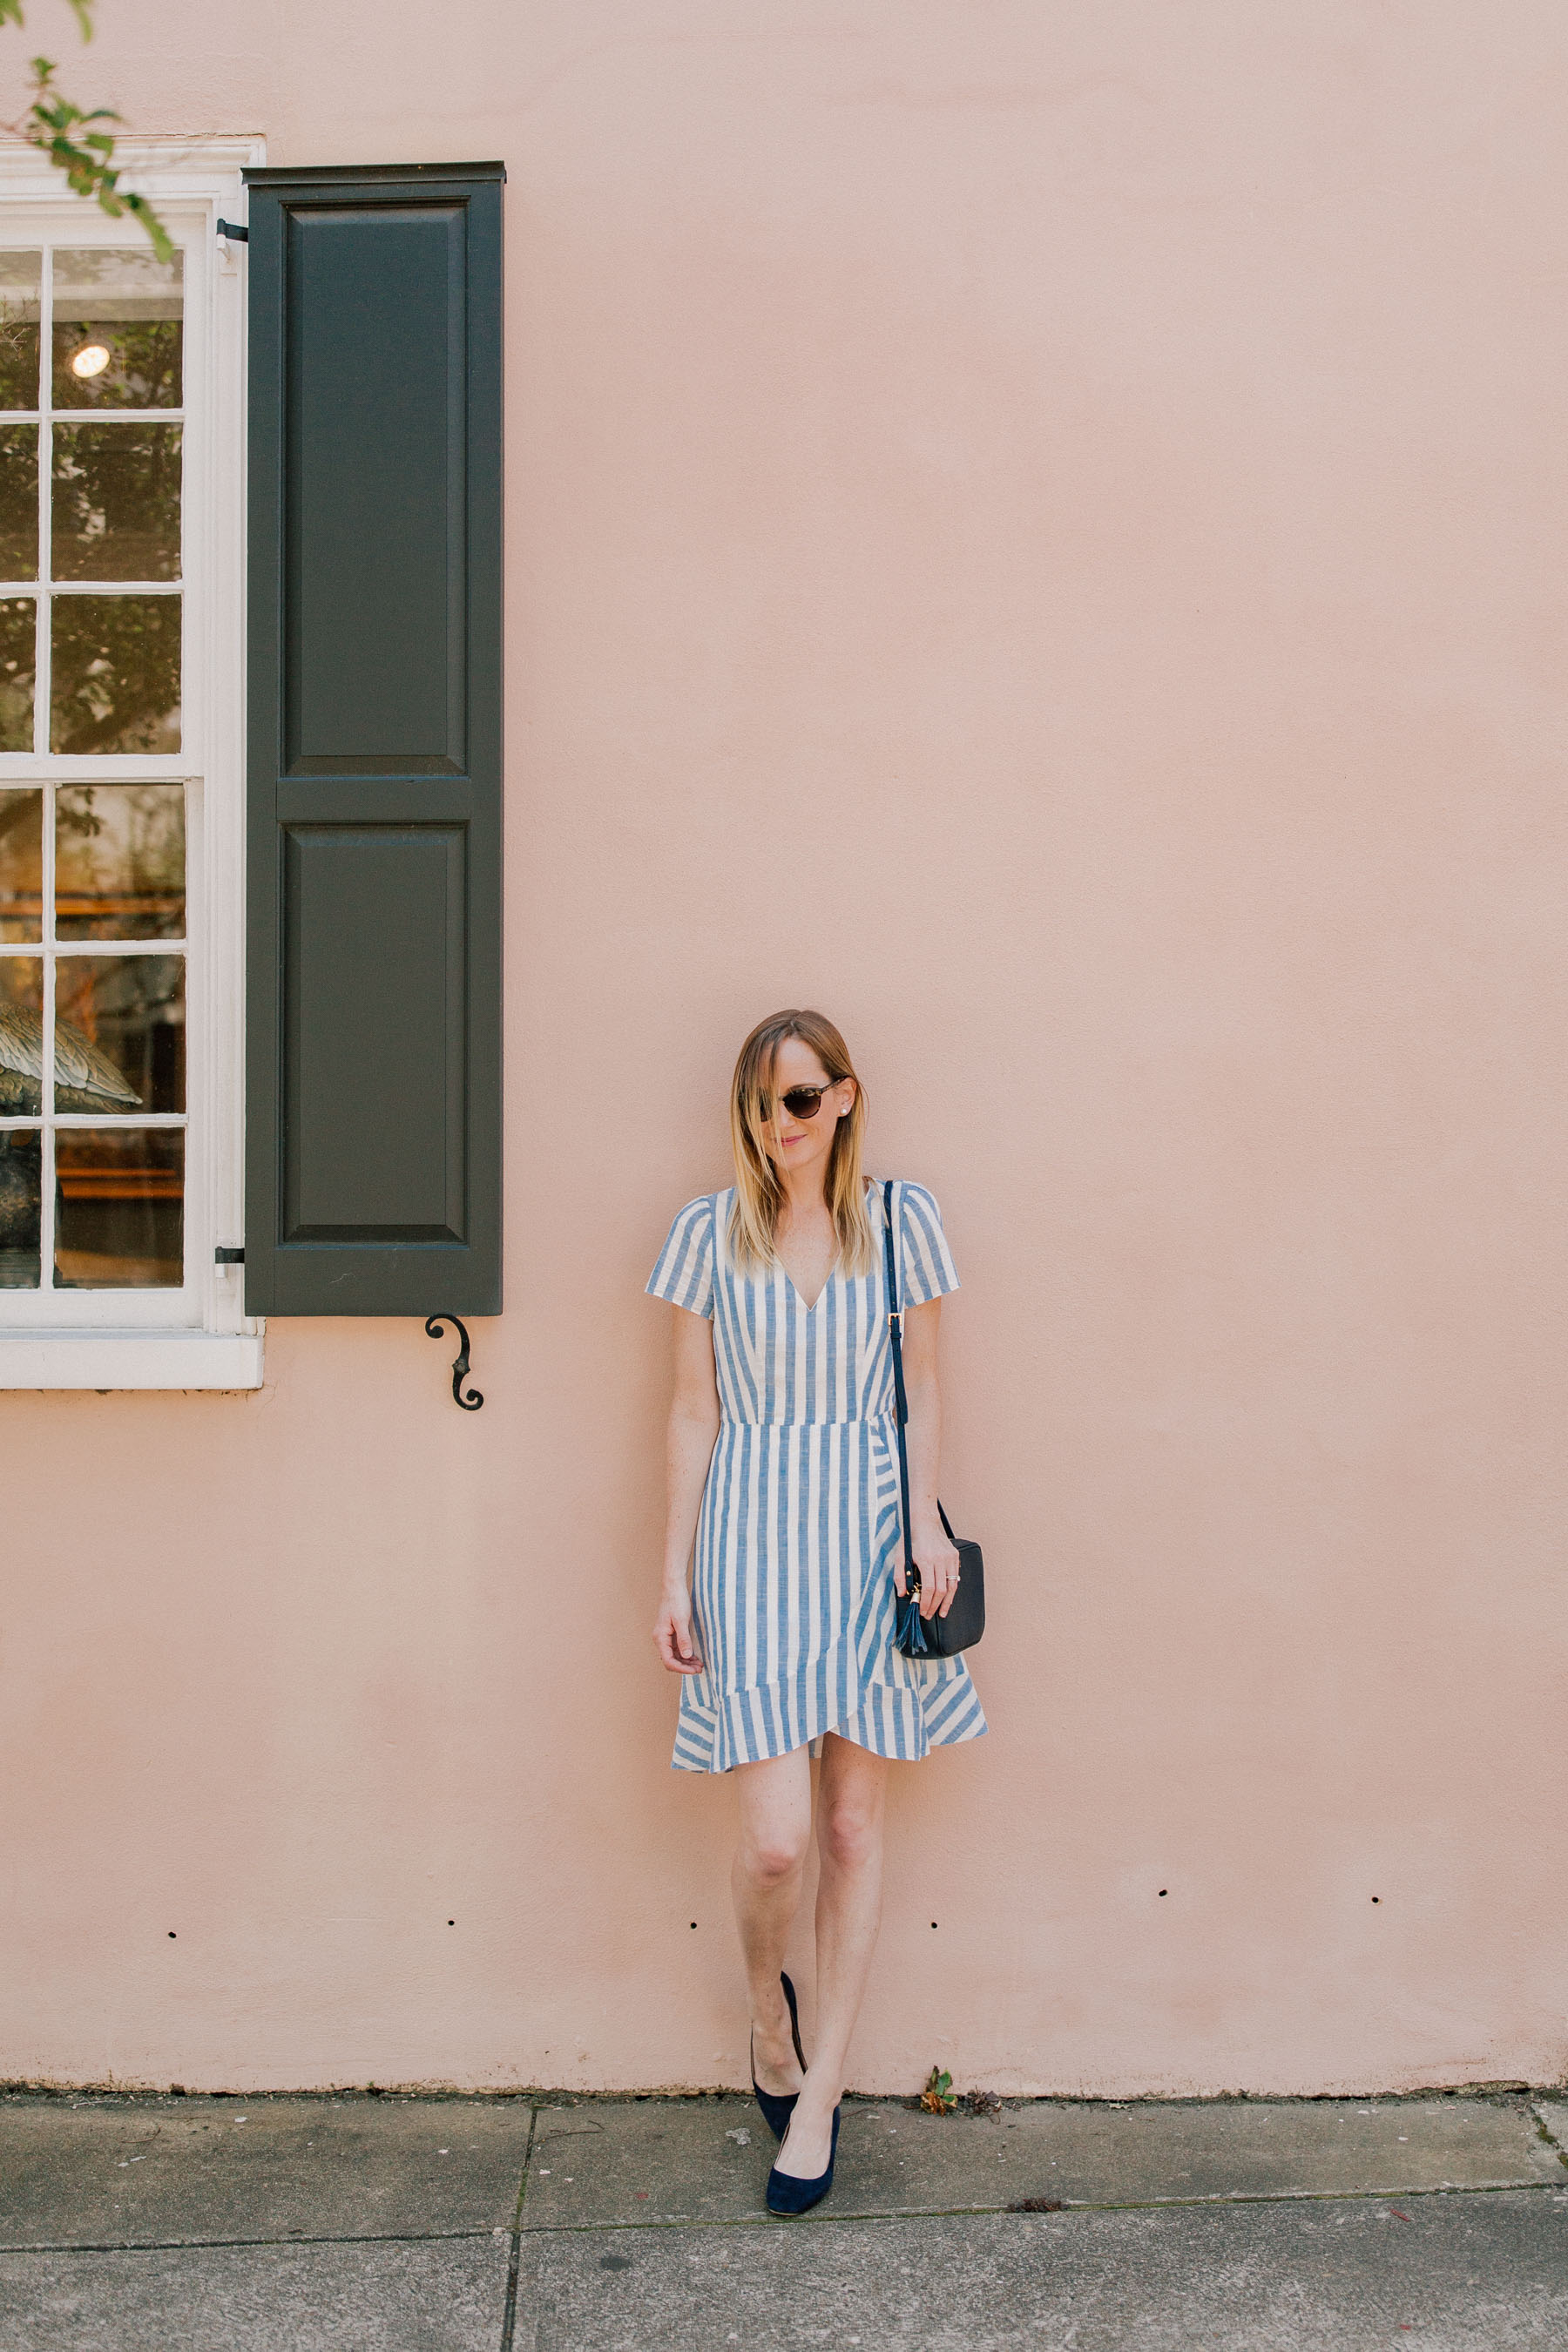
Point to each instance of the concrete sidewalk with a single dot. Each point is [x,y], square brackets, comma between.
[557,2225]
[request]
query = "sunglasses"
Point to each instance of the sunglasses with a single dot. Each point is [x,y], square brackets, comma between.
[801,1102]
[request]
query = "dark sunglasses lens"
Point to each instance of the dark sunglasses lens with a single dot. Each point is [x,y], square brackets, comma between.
[802,1102]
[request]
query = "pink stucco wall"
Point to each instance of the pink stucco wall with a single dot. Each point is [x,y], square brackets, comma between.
[1041,531]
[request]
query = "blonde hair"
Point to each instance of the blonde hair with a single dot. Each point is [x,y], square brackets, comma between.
[759,1194]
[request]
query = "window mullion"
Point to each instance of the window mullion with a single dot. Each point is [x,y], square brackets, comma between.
[41,682]
[47,1220]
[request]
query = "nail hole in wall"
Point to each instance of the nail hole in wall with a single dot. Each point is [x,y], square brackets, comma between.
[172,1938]
[1165,1891]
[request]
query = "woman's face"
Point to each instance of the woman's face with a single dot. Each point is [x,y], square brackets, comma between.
[796,1145]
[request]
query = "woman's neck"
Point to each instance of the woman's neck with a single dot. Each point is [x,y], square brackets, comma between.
[805,1194]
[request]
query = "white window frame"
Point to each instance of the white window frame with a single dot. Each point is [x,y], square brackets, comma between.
[199,1337]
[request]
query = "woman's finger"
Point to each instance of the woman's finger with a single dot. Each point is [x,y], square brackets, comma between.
[676,1646]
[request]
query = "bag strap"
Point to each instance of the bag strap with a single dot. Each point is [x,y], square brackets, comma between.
[896,1334]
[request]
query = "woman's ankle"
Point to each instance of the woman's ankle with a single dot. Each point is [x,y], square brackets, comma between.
[818,2098]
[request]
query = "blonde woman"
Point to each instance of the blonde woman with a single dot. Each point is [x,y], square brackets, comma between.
[783,1482]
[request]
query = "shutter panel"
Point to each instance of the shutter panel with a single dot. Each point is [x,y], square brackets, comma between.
[373,1154]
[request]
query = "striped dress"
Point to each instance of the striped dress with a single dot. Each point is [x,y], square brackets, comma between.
[799,1529]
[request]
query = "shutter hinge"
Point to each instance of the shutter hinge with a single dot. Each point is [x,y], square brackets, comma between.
[224,1255]
[232,229]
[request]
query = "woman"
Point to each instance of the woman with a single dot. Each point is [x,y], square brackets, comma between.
[783,1471]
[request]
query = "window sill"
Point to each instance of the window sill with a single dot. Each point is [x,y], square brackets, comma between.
[129,1359]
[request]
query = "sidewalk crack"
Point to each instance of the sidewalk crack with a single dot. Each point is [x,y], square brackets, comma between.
[514,2258]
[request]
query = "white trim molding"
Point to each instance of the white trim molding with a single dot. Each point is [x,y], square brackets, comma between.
[131,1360]
[198,1337]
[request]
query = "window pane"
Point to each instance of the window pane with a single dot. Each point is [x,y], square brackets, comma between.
[19,310]
[18,642]
[119,1034]
[21,866]
[116,512]
[21,1203]
[120,862]
[21,1037]
[117,330]
[116,674]
[19,502]
[120,1209]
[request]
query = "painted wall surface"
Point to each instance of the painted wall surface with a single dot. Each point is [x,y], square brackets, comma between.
[1040,530]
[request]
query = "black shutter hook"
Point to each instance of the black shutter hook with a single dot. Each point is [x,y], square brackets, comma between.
[434,1326]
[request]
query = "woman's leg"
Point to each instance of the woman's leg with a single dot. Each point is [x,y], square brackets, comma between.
[775,1831]
[850,1800]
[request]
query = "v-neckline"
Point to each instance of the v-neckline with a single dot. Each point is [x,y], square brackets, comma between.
[821,1294]
[835,1268]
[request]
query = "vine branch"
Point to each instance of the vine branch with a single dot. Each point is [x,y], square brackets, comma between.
[74,140]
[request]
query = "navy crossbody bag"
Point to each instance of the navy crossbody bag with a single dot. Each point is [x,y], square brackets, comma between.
[918,1636]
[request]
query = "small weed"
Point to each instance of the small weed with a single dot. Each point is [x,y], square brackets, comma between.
[938,2097]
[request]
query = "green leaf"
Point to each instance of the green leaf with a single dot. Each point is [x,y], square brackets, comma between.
[62,130]
[937,2098]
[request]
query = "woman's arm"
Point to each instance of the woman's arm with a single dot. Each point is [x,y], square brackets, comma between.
[936,1559]
[693,1427]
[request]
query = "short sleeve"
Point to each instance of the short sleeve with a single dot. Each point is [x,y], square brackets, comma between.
[925,1264]
[684,1273]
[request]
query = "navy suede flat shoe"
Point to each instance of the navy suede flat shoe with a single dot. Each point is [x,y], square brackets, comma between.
[788,2195]
[778,2107]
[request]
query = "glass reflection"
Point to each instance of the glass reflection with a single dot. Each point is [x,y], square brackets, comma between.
[116,674]
[21,1037]
[119,1034]
[19,502]
[21,1208]
[20,276]
[120,1208]
[117,332]
[120,862]
[21,866]
[116,514]
[18,642]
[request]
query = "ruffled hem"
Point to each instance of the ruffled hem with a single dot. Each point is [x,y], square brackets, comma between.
[932,1703]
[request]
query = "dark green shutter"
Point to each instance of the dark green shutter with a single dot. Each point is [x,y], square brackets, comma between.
[373,1171]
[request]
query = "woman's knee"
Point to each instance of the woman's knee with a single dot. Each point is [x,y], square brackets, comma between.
[850,1834]
[773,1855]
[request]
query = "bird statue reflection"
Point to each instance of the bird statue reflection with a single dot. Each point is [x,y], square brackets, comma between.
[85,1079]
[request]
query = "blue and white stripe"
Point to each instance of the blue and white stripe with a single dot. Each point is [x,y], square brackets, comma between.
[799,1528]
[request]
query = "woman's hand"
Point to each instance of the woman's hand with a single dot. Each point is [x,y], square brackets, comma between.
[672,1635]
[937,1561]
